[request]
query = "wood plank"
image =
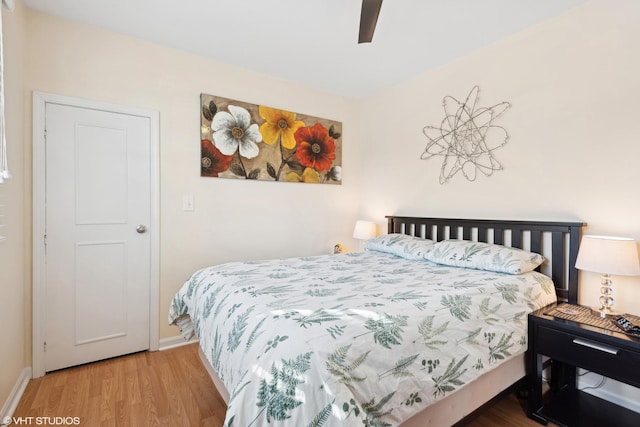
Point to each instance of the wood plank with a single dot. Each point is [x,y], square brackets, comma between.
[442,232]
[536,242]
[482,234]
[507,412]
[516,239]
[557,268]
[467,232]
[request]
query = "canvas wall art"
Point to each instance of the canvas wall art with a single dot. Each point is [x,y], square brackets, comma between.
[247,141]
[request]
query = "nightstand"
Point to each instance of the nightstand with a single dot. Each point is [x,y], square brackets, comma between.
[577,343]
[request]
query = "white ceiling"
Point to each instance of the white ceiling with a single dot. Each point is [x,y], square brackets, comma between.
[314,42]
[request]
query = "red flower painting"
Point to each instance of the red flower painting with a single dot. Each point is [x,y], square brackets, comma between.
[213,161]
[316,149]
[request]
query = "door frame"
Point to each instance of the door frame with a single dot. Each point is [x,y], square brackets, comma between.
[40,99]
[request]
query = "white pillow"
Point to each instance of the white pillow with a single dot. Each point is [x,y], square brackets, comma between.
[402,245]
[484,256]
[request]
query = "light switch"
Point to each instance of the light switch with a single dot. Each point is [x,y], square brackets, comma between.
[187,203]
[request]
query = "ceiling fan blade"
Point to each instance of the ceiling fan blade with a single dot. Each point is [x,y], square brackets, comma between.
[368,19]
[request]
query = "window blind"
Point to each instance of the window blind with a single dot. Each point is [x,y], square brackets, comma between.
[4,165]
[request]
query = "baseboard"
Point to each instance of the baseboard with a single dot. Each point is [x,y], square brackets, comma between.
[614,391]
[173,342]
[615,397]
[16,394]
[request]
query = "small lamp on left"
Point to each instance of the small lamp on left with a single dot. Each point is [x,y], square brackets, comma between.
[364,230]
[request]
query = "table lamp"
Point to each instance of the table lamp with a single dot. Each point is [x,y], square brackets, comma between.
[364,230]
[609,256]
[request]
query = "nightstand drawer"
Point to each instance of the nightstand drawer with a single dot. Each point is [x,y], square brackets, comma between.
[606,359]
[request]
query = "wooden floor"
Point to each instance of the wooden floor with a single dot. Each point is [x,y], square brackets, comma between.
[161,388]
[164,388]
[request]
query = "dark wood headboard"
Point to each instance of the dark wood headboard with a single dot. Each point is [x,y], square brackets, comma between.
[557,241]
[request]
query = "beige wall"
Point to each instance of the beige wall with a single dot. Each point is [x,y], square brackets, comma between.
[574,127]
[233,219]
[12,250]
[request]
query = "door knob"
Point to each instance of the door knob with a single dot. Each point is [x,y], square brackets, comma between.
[141,229]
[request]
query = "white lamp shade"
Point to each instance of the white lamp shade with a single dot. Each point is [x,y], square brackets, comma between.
[608,255]
[364,230]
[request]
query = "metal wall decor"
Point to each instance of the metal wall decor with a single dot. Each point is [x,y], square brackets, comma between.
[466,138]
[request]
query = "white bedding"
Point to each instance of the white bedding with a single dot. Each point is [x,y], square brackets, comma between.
[345,340]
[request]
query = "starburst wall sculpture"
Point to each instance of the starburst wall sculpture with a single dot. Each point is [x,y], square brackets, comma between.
[466,137]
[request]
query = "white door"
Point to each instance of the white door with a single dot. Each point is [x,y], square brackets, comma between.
[97,249]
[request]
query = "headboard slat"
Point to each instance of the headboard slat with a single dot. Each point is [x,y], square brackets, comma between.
[557,267]
[574,242]
[466,235]
[536,241]
[498,236]
[428,231]
[482,234]
[516,238]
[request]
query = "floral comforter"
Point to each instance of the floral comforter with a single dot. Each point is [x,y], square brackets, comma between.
[345,340]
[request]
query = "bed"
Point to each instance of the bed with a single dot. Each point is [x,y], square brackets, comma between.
[421,329]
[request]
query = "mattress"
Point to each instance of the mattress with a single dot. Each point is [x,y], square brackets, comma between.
[345,340]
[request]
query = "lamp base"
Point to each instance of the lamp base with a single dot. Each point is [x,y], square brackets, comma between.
[605,313]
